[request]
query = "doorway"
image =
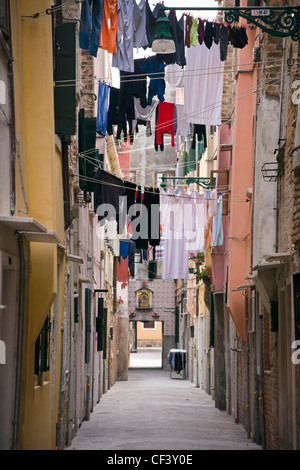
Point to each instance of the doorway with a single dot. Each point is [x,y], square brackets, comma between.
[146,344]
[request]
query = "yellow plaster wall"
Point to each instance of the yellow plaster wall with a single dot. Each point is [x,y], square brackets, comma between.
[42,177]
[149,334]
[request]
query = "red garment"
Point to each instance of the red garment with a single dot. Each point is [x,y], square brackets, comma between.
[188,25]
[165,121]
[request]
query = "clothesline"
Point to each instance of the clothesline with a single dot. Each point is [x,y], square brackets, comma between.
[238,96]
[227,68]
[94,180]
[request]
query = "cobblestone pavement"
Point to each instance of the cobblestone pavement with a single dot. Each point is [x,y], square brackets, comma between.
[154,411]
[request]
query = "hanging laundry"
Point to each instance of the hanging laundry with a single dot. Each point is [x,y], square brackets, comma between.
[237,36]
[107,193]
[109,26]
[123,272]
[217,28]
[151,18]
[175,75]
[126,108]
[201,31]
[217,225]
[156,72]
[154,218]
[120,113]
[139,20]
[124,249]
[91,20]
[224,33]
[200,132]
[146,218]
[209,34]
[213,203]
[113,109]
[177,31]
[159,250]
[176,247]
[127,202]
[165,122]
[203,93]
[102,108]
[123,58]
[144,113]
[188,25]
[194,32]
[183,126]
[135,83]
[197,238]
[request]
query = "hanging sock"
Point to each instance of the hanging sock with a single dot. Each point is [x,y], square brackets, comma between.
[201,31]
[217,28]
[209,34]
[193,32]
[188,25]
[223,42]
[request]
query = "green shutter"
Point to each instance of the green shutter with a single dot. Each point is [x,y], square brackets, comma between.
[212,322]
[76,312]
[274,316]
[90,158]
[105,333]
[87,324]
[65,79]
[100,324]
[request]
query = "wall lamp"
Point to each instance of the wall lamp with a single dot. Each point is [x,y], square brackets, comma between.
[280,21]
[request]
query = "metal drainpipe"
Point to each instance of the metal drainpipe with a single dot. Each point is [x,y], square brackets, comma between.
[279,137]
[20,342]
[197,339]
[72,339]
[261,391]
[108,374]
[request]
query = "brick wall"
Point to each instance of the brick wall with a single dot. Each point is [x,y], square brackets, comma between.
[270,384]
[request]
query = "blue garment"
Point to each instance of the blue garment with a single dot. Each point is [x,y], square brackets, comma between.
[89,37]
[124,249]
[152,66]
[102,108]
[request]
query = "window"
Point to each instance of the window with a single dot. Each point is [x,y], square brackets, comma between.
[42,349]
[149,325]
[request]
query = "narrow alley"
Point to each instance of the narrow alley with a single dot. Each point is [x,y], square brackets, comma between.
[149,226]
[155,410]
